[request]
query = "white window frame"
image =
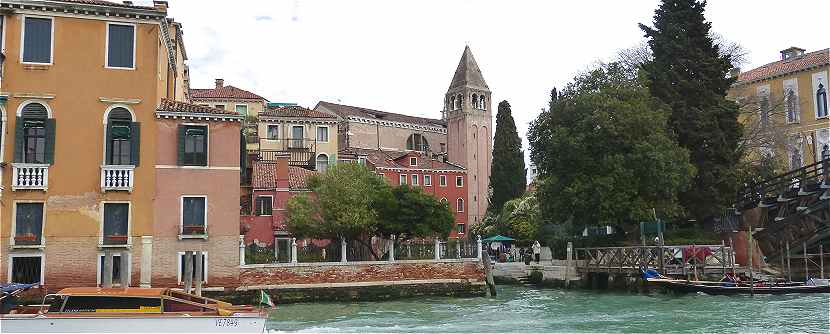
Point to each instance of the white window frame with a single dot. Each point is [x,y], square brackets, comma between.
[459,204]
[129,270]
[442,180]
[414,180]
[317,133]
[820,78]
[42,225]
[268,131]
[413,161]
[107,46]
[39,254]
[316,162]
[179,267]
[256,210]
[427,180]
[236,106]
[129,225]
[207,149]
[23,39]
[459,178]
[403,179]
[181,218]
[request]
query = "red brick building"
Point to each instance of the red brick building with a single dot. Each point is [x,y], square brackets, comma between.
[445,181]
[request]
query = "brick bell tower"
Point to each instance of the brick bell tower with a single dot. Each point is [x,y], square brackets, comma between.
[467,110]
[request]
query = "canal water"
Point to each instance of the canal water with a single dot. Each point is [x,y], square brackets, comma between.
[522,309]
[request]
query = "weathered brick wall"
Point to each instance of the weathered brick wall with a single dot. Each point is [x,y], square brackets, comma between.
[222,260]
[253,275]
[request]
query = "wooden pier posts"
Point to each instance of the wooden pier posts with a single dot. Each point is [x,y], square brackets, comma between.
[751,278]
[125,270]
[789,273]
[188,271]
[821,259]
[197,267]
[806,265]
[107,282]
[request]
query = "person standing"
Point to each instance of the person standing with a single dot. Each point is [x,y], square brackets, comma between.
[537,249]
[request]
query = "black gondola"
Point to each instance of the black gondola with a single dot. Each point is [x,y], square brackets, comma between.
[725,288]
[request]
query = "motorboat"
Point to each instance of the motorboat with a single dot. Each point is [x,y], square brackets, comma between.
[123,310]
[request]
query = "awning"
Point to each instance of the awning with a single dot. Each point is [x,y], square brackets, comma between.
[498,238]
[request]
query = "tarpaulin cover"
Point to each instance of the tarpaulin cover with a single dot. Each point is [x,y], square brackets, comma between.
[16,286]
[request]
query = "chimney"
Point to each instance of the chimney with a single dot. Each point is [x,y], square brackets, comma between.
[281,176]
[220,83]
[160,5]
[792,52]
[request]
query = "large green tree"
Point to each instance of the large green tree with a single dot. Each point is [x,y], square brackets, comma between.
[508,178]
[415,214]
[604,154]
[690,74]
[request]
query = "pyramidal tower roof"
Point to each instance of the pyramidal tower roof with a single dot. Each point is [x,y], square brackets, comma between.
[467,73]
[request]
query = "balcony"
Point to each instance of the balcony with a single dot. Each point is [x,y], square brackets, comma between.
[30,176]
[302,151]
[117,177]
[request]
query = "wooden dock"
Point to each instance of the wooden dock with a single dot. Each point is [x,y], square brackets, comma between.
[669,259]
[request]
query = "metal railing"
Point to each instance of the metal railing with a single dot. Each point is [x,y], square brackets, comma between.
[117,177]
[30,176]
[796,180]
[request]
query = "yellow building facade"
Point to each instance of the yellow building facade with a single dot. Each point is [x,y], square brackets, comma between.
[80,85]
[784,107]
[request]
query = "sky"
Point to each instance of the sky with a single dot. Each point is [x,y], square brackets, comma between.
[399,56]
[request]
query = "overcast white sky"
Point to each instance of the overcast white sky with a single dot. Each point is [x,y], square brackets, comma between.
[399,56]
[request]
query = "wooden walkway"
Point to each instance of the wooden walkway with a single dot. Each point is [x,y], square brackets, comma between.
[669,259]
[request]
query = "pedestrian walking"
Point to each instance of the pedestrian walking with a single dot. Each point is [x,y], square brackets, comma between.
[537,250]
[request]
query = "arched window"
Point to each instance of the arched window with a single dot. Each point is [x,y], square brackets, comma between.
[34,135]
[122,138]
[460,205]
[445,201]
[460,99]
[821,101]
[791,105]
[417,142]
[481,104]
[474,101]
[452,103]
[322,163]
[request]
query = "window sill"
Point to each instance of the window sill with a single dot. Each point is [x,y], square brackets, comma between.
[127,246]
[120,68]
[193,236]
[28,246]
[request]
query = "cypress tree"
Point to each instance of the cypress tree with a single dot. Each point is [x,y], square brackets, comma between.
[689,74]
[507,174]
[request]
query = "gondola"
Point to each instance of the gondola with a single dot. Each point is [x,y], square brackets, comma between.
[731,288]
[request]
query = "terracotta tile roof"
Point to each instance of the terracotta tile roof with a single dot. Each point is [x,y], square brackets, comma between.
[190,108]
[782,67]
[398,159]
[298,177]
[346,111]
[294,111]
[264,175]
[104,3]
[224,92]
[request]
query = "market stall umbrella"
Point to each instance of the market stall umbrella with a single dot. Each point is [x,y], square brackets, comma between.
[498,238]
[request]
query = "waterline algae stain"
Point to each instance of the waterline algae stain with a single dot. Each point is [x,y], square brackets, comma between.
[518,309]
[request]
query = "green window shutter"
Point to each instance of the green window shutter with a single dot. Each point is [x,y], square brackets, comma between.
[242,155]
[18,139]
[50,140]
[135,143]
[180,156]
[108,144]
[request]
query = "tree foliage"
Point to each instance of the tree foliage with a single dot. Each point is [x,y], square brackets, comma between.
[689,73]
[350,201]
[508,178]
[519,218]
[604,154]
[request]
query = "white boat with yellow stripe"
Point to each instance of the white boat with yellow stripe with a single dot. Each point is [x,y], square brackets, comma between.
[131,310]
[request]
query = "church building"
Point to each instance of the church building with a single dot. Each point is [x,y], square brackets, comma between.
[462,137]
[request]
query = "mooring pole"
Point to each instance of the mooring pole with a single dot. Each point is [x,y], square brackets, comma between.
[197,267]
[188,271]
[806,264]
[694,258]
[107,283]
[732,256]
[821,258]
[685,272]
[789,273]
[751,276]
[783,266]
[723,257]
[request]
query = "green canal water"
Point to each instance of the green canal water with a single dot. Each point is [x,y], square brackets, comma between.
[521,309]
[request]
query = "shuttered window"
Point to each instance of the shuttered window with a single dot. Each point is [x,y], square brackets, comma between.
[37,40]
[122,138]
[193,141]
[34,135]
[120,45]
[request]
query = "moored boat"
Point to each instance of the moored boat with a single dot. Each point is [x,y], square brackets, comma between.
[113,310]
[730,287]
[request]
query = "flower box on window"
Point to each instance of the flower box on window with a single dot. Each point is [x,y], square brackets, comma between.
[26,239]
[193,229]
[115,239]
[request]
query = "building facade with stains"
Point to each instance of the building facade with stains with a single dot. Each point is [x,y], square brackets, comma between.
[81,81]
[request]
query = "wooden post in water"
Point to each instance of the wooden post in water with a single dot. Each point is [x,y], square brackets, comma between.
[789,273]
[781,251]
[685,272]
[723,257]
[806,265]
[662,252]
[694,258]
[107,283]
[751,279]
[821,258]
[197,267]
[125,272]
[488,275]
[568,263]
[732,256]
[188,271]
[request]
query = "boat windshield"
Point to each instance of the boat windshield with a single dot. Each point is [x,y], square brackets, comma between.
[77,304]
